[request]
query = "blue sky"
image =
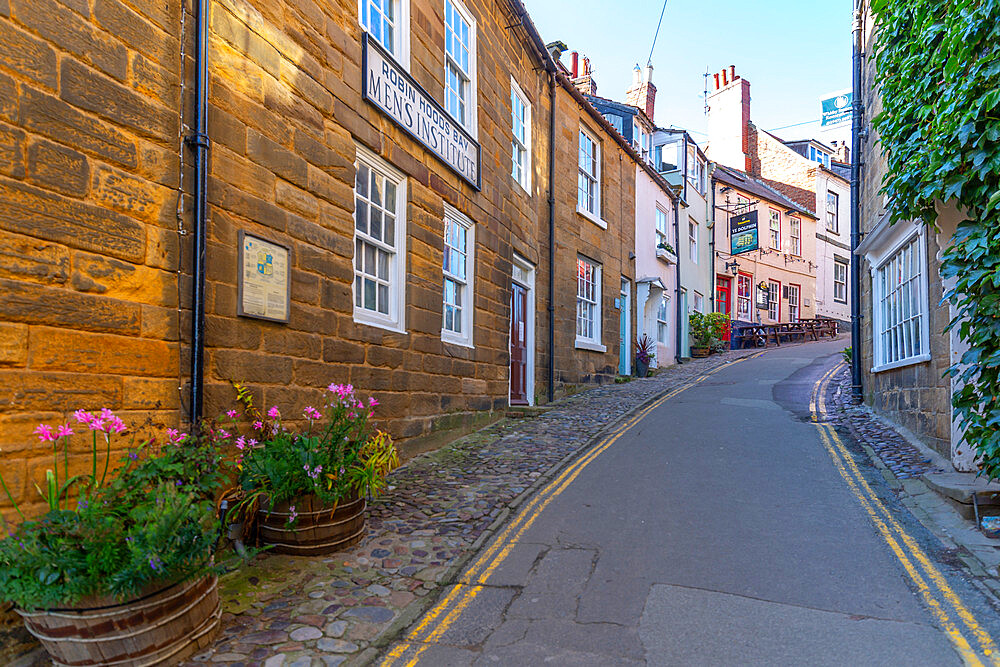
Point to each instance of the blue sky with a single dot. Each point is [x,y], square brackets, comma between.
[792,52]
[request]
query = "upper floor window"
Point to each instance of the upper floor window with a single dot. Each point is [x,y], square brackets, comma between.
[699,303]
[816,155]
[665,157]
[832,212]
[640,139]
[662,234]
[460,64]
[379,242]
[696,172]
[693,241]
[458,269]
[742,205]
[616,122]
[774,227]
[386,21]
[589,176]
[520,111]
[839,281]
[795,234]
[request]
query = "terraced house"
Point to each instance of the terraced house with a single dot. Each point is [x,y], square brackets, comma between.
[407,195]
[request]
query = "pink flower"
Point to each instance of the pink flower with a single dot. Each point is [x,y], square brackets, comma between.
[44,433]
[175,436]
[341,390]
[240,442]
[231,414]
[273,413]
[258,425]
[352,415]
[117,425]
[106,413]
[223,434]
[251,442]
[311,413]
[64,431]
[372,402]
[83,417]
[371,413]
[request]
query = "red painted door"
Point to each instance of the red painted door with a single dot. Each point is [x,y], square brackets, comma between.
[723,291]
[518,345]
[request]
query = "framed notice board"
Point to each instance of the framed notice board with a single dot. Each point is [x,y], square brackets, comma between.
[265,279]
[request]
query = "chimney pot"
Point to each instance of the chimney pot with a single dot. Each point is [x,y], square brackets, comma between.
[649,73]
[575,64]
[732,72]
[716,75]
[724,81]
[586,65]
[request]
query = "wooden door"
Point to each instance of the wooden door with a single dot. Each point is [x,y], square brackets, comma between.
[518,345]
[723,288]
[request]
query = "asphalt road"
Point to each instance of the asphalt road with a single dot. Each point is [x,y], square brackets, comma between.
[717,530]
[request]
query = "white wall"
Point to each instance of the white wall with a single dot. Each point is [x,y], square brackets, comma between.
[648,195]
[831,246]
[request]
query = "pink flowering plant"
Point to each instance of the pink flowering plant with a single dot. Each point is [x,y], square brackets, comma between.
[114,533]
[337,455]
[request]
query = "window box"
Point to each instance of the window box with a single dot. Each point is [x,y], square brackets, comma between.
[666,255]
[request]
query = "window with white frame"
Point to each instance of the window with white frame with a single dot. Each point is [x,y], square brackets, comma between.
[520,111]
[588,302]
[774,300]
[832,212]
[663,321]
[744,296]
[379,242]
[616,122]
[775,229]
[699,303]
[589,180]
[742,205]
[816,155]
[662,234]
[386,21]
[693,241]
[458,269]
[460,64]
[795,235]
[900,305]
[794,291]
[839,281]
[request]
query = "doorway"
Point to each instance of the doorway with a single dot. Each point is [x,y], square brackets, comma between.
[522,333]
[624,329]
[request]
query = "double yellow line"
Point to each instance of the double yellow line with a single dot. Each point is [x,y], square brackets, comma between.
[437,621]
[954,617]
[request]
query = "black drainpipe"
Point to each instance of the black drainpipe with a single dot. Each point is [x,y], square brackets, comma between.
[677,281]
[199,143]
[711,239]
[552,236]
[856,388]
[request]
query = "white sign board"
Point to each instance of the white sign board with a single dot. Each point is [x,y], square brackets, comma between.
[265,285]
[395,93]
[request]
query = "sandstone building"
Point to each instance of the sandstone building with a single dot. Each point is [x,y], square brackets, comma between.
[407,195]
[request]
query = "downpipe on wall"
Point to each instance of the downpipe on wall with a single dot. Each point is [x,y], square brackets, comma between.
[857,393]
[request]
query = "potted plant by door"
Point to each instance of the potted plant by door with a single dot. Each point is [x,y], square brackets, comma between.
[645,352]
[307,488]
[119,570]
[706,332]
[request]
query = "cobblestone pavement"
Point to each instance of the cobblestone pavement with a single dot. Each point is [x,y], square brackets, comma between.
[311,612]
[903,459]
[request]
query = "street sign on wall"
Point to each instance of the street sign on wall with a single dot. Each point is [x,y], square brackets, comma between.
[763,296]
[743,233]
[837,109]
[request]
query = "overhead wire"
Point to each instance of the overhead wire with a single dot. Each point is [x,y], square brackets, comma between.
[649,61]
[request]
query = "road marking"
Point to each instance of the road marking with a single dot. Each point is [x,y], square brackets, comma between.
[893,533]
[472,580]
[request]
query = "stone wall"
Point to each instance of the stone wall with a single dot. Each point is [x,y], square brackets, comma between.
[916,396]
[89,240]
[94,238]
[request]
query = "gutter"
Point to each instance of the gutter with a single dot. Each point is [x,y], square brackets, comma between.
[199,143]
[857,394]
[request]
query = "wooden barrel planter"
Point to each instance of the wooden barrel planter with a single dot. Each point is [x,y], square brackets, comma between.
[699,352]
[319,529]
[161,628]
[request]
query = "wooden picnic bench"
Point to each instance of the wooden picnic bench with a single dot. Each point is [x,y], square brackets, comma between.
[762,335]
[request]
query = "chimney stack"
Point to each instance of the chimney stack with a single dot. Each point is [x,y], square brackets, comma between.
[642,93]
[729,120]
[584,81]
[841,152]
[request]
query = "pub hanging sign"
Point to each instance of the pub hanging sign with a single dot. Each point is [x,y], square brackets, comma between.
[743,233]
[392,90]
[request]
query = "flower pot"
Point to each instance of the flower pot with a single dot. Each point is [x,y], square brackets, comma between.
[161,628]
[700,352]
[641,368]
[319,529]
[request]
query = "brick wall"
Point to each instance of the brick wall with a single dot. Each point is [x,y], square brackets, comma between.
[782,168]
[89,243]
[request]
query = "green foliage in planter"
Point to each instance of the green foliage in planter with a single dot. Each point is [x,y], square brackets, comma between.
[338,455]
[153,524]
[939,64]
[706,328]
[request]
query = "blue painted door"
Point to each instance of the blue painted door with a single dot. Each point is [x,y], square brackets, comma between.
[624,333]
